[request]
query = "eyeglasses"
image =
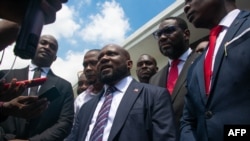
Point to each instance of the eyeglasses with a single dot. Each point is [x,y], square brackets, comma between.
[165,31]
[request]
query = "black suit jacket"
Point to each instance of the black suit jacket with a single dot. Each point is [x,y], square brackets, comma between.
[55,123]
[229,100]
[179,92]
[144,114]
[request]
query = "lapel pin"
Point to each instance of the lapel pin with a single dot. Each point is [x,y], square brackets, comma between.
[244,33]
[136,90]
[225,48]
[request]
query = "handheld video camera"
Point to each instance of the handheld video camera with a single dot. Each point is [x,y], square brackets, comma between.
[30,31]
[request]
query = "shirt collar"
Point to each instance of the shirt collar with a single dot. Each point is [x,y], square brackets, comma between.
[229,18]
[33,66]
[122,85]
[184,56]
[89,91]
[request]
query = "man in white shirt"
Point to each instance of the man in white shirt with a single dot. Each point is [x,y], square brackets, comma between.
[89,63]
[56,121]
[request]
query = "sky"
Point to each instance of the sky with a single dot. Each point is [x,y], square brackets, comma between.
[82,25]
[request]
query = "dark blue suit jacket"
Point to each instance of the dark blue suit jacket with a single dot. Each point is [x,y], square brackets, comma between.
[229,101]
[144,114]
[55,123]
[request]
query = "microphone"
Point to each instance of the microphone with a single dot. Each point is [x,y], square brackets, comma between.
[30,31]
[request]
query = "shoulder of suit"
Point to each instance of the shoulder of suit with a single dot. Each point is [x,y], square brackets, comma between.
[59,79]
[159,74]
[151,86]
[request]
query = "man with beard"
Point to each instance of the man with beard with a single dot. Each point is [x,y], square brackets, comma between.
[218,82]
[95,87]
[128,110]
[56,121]
[146,67]
[173,41]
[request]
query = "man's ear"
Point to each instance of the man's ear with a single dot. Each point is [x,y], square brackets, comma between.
[130,64]
[186,34]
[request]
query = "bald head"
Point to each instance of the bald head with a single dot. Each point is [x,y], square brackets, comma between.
[123,52]
[50,38]
[114,64]
[46,51]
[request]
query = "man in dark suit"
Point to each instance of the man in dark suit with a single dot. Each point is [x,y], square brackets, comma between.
[12,14]
[138,112]
[56,121]
[226,101]
[146,67]
[173,41]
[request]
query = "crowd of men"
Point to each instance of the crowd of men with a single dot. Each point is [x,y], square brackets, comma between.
[192,98]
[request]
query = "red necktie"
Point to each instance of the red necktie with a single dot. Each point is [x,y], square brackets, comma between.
[208,60]
[172,75]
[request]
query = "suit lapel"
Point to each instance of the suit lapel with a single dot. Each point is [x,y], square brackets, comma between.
[124,108]
[232,32]
[49,83]
[200,76]
[182,78]
[163,78]
[22,74]
[85,119]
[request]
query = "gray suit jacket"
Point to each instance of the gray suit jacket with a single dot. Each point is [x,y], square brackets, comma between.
[179,92]
[144,114]
[53,124]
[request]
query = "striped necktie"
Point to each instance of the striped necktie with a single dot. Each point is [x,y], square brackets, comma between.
[102,118]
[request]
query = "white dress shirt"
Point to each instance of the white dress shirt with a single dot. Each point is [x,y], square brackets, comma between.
[84,97]
[226,23]
[32,68]
[117,97]
[182,59]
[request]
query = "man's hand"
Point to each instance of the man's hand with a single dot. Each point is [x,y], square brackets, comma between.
[25,107]
[13,91]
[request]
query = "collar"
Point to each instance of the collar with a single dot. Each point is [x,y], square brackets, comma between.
[89,91]
[33,66]
[184,56]
[121,85]
[229,18]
